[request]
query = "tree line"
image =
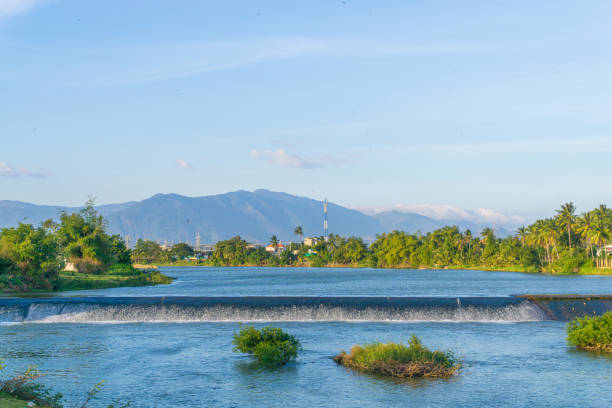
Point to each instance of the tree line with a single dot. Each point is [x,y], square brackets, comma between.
[31,257]
[564,243]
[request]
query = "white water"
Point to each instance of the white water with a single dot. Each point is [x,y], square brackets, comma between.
[91,313]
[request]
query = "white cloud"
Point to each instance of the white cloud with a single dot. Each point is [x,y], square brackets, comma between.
[12,7]
[282,158]
[183,164]
[449,212]
[10,171]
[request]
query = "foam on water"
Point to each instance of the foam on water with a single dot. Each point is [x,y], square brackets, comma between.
[75,312]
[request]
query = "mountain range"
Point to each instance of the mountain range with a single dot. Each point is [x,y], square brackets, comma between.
[254,215]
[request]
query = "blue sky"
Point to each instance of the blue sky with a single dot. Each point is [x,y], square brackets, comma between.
[472,104]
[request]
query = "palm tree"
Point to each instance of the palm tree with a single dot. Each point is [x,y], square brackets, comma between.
[274,241]
[584,226]
[487,233]
[600,234]
[567,219]
[468,238]
[522,233]
[551,234]
[298,231]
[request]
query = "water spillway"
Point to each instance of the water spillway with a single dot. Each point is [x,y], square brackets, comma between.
[264,308]
[278,308]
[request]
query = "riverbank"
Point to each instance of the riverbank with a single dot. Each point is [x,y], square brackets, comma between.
[512,268]
[117,276]
[81,281]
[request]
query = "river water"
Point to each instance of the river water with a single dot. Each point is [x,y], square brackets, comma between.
[179,354]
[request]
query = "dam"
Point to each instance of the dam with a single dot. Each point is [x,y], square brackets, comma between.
[521,308]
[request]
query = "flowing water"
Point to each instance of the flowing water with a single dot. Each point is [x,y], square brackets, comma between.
[170,346]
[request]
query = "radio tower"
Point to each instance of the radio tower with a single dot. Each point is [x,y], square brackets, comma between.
[325,219]
[197,246]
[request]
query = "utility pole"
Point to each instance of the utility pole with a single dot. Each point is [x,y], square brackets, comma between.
[325,219]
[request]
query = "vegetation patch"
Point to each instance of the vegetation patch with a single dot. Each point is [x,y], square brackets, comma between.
[398,360]
[591,333]
[83,281]
[269,345]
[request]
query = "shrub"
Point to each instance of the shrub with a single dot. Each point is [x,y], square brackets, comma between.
[398,360]
[269,345]
[23,388]
[591,333]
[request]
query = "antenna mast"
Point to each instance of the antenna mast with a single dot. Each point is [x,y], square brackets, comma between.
[325,219]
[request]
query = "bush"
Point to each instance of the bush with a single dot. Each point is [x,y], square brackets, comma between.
[269,345]
[570,262]
[591,333]
[398,360]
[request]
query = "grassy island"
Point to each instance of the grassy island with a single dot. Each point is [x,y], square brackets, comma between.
[269,345]
[591,333]
[398,360]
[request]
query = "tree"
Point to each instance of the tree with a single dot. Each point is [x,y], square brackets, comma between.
[567,219]
[148,252]
[120,252]
[181,251]
[584,226]
[29,258]
[274,241]
[85,241]
[522,234]
[298,231]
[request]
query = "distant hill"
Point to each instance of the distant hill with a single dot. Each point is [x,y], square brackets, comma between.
[255,216]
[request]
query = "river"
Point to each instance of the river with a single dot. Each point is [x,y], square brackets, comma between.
[170,345]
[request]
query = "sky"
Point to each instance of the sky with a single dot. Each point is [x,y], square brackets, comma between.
[477,105]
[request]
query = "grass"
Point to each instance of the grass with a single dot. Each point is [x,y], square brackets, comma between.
[6,401]
[591,333]
[116,276]
[398,360]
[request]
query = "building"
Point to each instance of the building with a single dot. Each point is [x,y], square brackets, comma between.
[311,241]
[275,249]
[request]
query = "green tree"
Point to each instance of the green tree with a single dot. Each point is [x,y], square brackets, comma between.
[299,232]
[567,219]
[181,251]
[274,241]
[147,252]
[29,258]
[85,241]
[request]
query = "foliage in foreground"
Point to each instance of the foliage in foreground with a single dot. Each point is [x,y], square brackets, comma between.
[269,345]
[398,360]
[24,388]
[591,333]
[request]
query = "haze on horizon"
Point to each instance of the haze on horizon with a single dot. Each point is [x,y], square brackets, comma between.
[473,105]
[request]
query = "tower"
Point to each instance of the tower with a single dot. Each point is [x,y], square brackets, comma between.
[197,243]
[127,241]
[325,219]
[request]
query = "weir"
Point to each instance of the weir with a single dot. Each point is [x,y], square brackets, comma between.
[278,308]
[190,309]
